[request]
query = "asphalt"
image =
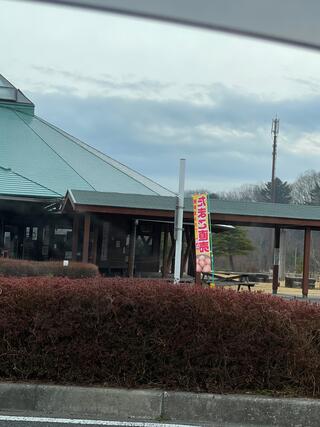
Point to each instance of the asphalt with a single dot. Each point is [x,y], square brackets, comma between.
[23,420]
[26,419]
[35,420]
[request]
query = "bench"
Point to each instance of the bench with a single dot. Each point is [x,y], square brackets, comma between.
[238,280]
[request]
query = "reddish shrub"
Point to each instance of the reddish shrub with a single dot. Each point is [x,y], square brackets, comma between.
[22,268]
[120,332]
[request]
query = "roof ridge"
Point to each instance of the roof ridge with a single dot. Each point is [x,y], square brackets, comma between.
[29,179]
[102,157]
[18,113]
[6,81]
[18,98]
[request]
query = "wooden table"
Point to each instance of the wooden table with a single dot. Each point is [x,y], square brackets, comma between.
[227,279]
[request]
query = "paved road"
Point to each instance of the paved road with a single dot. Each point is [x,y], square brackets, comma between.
[39,421]
[13,420]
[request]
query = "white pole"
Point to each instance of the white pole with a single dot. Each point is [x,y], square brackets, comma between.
[179,222]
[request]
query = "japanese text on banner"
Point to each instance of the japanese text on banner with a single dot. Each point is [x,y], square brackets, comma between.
[202,233]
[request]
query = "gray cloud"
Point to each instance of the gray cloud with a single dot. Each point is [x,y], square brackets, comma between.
[226,143]
[106,81]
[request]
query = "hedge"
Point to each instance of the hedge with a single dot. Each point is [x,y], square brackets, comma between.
[119,332]
[15,267]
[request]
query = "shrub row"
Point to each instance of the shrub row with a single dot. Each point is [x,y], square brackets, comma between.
[119,332]
[14,267]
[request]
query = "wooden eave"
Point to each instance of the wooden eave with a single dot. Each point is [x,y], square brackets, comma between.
[233,219]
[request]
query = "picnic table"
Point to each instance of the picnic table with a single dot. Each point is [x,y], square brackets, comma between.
[229,279]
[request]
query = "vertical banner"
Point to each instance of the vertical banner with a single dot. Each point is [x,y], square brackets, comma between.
[202,234]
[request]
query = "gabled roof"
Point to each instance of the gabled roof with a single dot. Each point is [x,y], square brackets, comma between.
[53,159]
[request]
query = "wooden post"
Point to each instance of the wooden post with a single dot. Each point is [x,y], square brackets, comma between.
[275,278]
[165,252]
[186,254]
[95,243]
[2,238]
[132,247]
[156,242]
[190,241]
[21,233]
[306,262]
[171,252]
[1,235]
[198,279]
[75,237]
[86,237]
[191,244]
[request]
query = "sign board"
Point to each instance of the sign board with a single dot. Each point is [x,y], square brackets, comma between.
[202,232]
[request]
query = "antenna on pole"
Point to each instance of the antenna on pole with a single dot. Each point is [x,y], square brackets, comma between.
[274,133]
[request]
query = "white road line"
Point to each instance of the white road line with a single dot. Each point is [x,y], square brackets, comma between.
[12,418]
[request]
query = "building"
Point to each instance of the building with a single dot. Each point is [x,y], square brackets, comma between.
[39,163]
[62,199]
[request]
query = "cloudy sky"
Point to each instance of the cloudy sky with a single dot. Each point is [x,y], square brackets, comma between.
[149,93]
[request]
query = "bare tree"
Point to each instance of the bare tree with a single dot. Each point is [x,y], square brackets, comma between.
[246,192]
[303,187]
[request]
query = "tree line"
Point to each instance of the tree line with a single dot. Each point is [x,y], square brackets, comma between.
[250,248]
[305,190]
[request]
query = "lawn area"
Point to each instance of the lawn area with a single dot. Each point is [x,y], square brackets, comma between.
[267,288]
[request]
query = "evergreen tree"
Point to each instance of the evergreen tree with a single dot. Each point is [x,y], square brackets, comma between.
[231,243]
[283,192]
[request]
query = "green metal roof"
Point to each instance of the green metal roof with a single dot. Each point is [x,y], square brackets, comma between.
[273,210]
[95,198]
[14,184]
[53,159]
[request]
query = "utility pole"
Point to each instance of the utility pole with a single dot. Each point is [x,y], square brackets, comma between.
[275,133]
[179,222]
[275,241]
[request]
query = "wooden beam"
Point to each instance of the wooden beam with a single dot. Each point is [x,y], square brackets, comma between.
[75,237]
[306,262]
[125,211]
[235,219]
[132,247]
[275,276]
[86,238]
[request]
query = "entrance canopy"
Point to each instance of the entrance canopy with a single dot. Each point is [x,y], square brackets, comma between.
[162,208]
